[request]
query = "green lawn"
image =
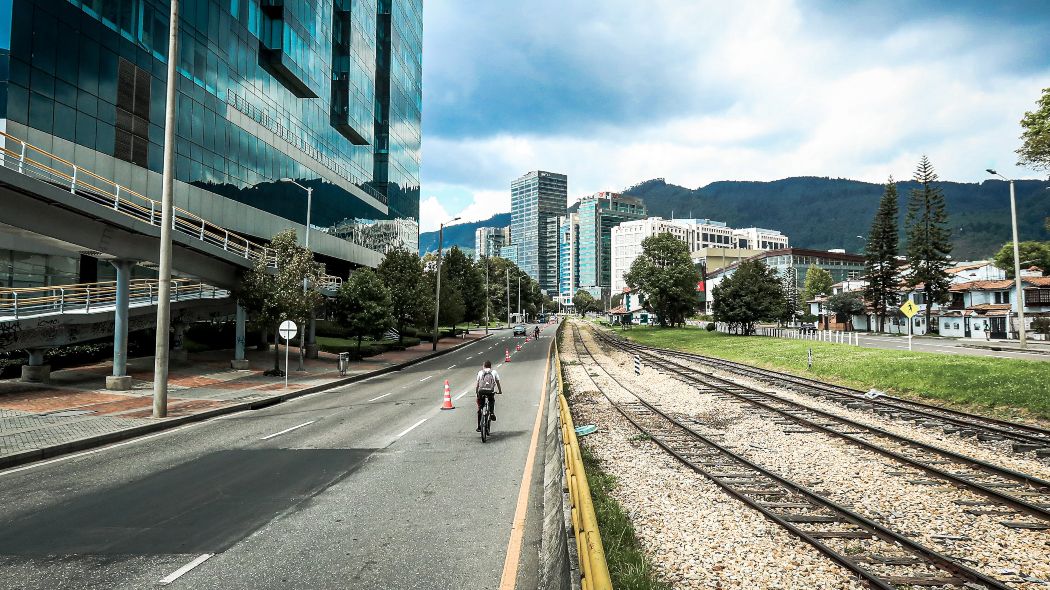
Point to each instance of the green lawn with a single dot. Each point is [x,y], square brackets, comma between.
[1002,387]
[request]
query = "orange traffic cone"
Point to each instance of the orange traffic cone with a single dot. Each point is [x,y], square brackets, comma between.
[506,354]
[447,404]
[518,348]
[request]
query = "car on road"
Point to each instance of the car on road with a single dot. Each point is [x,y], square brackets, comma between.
[519,330]
[807,328]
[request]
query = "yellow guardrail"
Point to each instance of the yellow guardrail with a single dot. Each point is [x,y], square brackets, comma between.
[594,571]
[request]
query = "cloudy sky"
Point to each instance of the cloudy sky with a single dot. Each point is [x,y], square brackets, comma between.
[614,92]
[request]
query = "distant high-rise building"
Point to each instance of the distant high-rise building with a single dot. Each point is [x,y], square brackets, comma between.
[568,257]
[537,199]
[757,238]
[598,215]
[487,241]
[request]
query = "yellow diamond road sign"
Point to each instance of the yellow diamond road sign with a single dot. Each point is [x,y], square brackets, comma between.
[909,308]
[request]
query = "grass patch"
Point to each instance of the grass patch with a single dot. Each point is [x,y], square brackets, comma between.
[1004,387]
[628,566]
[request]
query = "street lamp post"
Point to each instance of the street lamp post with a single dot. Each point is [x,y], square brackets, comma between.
[487,295]
[506,273]
[520,311]
[1017,261]
[306,244]
[160,358]
[437,293]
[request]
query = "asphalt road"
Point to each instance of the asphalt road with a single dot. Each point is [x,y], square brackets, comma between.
[365,486]
[945,346]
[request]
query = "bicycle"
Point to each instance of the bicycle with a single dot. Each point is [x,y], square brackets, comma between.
[485,422]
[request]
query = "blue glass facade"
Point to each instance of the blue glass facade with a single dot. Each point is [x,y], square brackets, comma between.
[537,199]
[267,89]
[598,214]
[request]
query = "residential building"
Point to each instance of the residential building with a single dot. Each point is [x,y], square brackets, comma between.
[597,215]
[568,257]
[487,241]
[537,200]
[626,243]
[311,91]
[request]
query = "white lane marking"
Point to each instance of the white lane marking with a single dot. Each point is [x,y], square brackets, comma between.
[465,392]
[451,367]
[499,365]
[410,428]
[425,378]
[175,575]
[381,396]
[472,356]
[287,430]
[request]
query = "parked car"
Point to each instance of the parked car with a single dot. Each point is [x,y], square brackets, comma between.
[519,330]
[808,328]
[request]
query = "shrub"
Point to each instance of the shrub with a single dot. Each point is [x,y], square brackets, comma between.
[710,327]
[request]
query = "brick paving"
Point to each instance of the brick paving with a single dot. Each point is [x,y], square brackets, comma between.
[76,405]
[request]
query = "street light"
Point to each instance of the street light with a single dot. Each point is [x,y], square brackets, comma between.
[1017,260]
[520,313]
[309,207]
[437,294]
[306,244]
[160,357]
[488,296]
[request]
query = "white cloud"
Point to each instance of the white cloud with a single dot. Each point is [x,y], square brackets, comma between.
[805,97]
[431,214]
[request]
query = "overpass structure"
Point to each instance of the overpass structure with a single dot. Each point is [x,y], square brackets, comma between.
[51,200]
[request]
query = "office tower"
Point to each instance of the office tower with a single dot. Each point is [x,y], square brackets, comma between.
[537,200]
[598,215]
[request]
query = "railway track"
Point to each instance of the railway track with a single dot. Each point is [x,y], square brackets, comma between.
[878,556]
[1023,437]
[1022,493]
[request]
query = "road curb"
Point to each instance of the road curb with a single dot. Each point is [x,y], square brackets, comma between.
[34,455]
[1006,348]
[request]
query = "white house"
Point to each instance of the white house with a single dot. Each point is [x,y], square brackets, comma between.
[987,309]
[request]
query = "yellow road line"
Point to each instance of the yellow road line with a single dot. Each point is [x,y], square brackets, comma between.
[517,531]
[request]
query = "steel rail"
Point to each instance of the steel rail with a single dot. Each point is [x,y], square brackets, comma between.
[1022,433]
[960,575]
[787,409]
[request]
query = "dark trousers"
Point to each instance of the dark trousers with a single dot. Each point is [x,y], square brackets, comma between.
[492,403]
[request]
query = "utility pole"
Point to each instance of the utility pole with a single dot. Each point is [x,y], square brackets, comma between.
[160,359]
[1021,331]
[437,294]
[306,244]
[506,273]
[487,295]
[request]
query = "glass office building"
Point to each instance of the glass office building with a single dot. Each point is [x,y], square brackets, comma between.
[568,257]
[598,214]
[537,199]
[326,92]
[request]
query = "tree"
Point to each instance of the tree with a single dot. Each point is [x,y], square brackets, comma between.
[584,302]
[667,276]
[880,255]
[464,276]
[1032,253]
[275,295]
[752,294]
[845,306]
[452,309]
[929,239]
[402,273]
[363,305]
[818,282]
[1035,147]
[1042,326]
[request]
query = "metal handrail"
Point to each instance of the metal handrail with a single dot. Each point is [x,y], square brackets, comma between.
[594,569]
[81,297]
[43,165]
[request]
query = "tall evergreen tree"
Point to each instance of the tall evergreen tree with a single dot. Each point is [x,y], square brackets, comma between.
[929,239]
[881,253]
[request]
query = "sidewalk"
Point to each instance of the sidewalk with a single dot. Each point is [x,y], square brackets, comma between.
[75,411]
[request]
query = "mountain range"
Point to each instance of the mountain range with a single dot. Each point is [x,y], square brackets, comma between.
[824,213]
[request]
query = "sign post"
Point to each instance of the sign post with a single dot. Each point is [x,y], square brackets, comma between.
[288,330]
[909,309]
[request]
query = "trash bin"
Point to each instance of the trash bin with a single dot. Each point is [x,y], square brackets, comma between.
[344,363]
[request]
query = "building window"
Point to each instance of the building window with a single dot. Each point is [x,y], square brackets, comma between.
[1037,297]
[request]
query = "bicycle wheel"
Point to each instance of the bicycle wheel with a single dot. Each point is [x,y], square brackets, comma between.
[485,422]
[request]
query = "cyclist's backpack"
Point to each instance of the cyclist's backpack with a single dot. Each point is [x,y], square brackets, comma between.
[488,382]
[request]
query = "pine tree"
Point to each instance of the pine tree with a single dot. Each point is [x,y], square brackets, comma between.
[929,239]
[881,253]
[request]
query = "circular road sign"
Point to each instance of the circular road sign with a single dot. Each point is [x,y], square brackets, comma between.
[288,330]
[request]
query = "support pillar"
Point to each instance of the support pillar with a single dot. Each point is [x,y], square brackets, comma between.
[311,338]
[36,371]
[120,381]
[240,361]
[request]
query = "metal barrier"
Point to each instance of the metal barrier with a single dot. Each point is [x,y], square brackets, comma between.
[34,162]
[81,298]
[594,569]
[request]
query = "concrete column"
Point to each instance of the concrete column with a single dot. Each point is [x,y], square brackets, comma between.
[311,338]
[178,350]
[239,361]
[120,381]
[36,371]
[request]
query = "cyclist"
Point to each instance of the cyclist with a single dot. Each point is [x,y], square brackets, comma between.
[487,384]
[536,332]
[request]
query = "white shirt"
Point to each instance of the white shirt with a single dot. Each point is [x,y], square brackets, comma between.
[499,386]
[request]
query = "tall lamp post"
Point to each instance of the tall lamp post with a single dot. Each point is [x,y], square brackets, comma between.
[521,314]
[487,295]
[437,293]
[160,357]
[1017,261]
[306,244]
